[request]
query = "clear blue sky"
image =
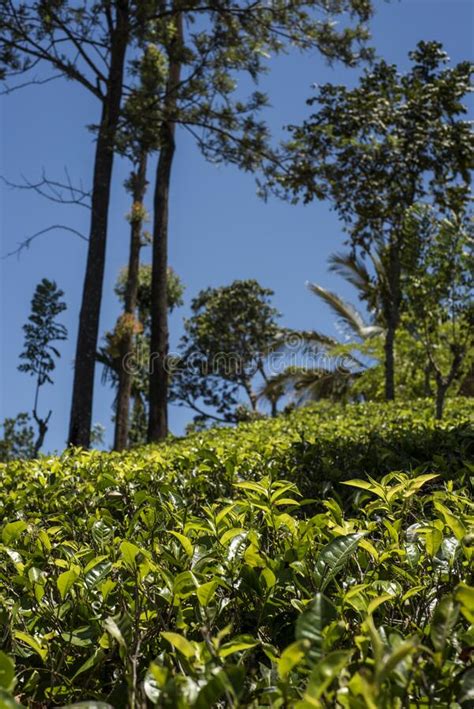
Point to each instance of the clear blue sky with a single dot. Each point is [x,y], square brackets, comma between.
[219,229]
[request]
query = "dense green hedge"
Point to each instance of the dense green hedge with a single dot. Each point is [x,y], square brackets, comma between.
[326,443]
[373,440]
[314,447]
[195,574]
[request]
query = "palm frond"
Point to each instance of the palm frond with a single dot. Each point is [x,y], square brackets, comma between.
[346,312]
[372,288]
[109,371]
[354,270]
[311,383]
[313,337]
[303,339]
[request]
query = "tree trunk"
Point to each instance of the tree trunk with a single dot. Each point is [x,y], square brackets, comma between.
[42,423]
[251,395]
[393,318]
[389,347]
[139,420]
[84,365]
[444,382]
[427,381]
[158,395]
[42,431]
[131,292]
[441,390]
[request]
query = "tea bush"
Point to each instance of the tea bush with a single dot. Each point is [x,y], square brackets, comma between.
[197,574]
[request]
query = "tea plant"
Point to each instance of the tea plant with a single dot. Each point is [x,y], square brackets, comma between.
[197,575]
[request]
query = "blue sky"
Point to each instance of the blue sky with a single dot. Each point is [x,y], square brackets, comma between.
[219,229]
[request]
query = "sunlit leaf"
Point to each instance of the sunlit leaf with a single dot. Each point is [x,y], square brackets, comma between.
[66,581]
[443,622]
[180,643]
[333,557]
[310,624]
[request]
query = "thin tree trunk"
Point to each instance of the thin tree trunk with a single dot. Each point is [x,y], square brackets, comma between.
[441,390]
[389,348]
[84,365]
[139,417]
[122,415]
[42,424]
[251,394]
[42,431]
[427,381]
[158,395]
[393,319]
[273,399]
[443,383]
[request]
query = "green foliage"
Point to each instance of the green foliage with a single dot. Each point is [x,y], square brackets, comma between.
[195,574]
[338,367]
[110,354]
[433,343]
[175,292]
[39,354]
[376,151]
[140,132]
[390,142]
[414,373]
[438,292]
[42,330]
[227,339]
[18,438]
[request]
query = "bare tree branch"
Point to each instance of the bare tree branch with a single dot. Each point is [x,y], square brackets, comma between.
[32,82]
[78,44]
[187,403]
[54,190]
[27,242]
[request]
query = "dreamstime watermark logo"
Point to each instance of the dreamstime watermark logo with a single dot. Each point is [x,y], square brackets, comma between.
[294,352]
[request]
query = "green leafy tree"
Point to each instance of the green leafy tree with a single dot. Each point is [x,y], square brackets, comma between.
[112,356]
[377,150]
[201,95]
[86,43]
[138,138]
[39,354]
[413,374]
[438,292]
[226,342]
[351,367]
[175,292]
[204,47]
[18,438]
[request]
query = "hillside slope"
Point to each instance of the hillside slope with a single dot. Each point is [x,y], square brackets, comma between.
[238,568]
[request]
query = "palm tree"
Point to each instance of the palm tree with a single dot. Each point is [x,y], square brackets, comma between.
[331,379]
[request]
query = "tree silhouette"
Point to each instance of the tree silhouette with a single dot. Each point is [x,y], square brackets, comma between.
[39,354]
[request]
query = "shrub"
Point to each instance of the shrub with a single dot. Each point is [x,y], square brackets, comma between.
[197,575]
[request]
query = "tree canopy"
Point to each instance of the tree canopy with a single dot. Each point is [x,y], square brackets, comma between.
[379,149]
[227,339]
